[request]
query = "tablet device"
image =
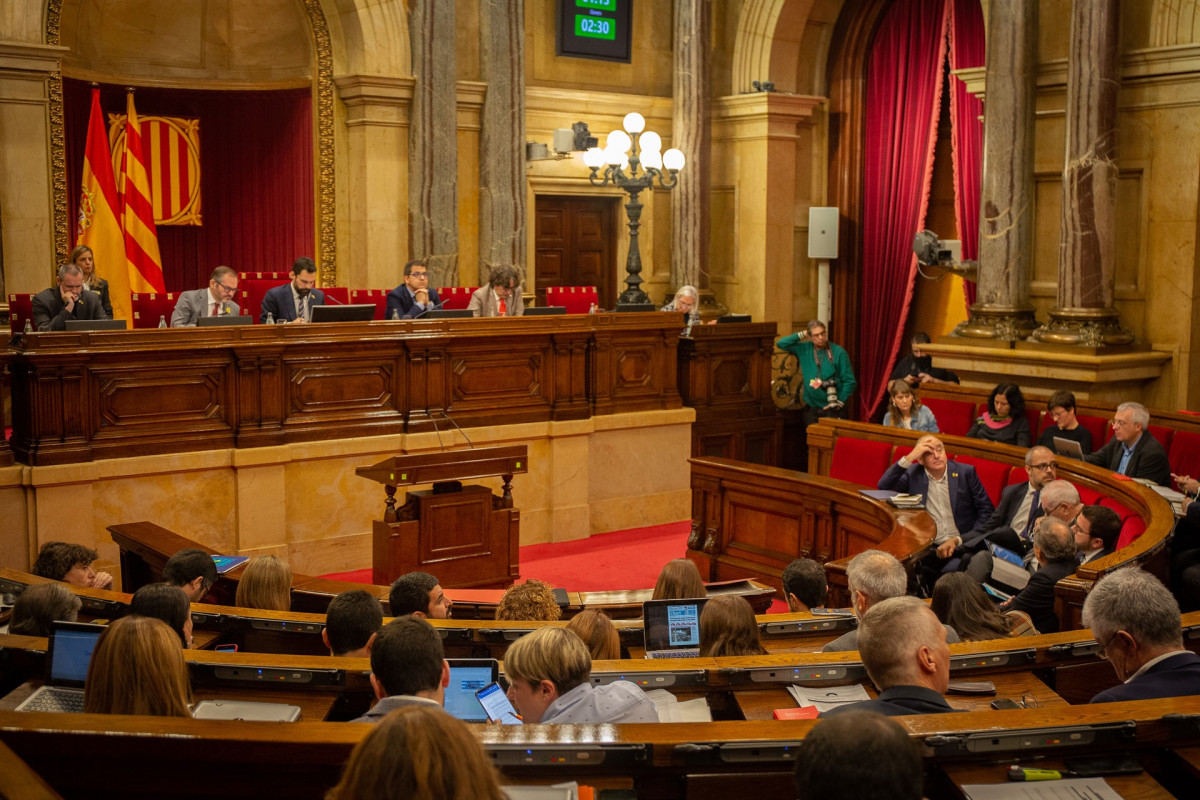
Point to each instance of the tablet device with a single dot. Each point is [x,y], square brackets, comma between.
[1068,447]
[495,703]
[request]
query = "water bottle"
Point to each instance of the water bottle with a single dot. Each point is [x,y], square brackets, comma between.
[28,326]
[592,308]
[270,318]
[162,321]
[395,315]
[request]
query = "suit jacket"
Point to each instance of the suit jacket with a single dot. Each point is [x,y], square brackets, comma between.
[1101,553]
[968,498]
[402,301]
[900,701]
[1149,459]
[100,287]
[386,705]
[1037,598]
[1010,500]
[483,303]
[278,301]
[194,304]
[1174,676]
[50,312]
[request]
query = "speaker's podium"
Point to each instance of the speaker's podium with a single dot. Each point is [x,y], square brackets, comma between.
[465,535]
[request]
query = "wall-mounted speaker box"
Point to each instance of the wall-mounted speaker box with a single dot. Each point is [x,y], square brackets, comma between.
[823,232]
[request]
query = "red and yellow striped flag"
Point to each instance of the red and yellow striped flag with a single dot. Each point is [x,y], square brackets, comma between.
[141,237]
[99,216]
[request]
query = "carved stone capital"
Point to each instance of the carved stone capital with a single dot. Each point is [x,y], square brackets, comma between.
[1008,323]
[1088,327]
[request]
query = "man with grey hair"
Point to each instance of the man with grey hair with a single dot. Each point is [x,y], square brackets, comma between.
[1135,620]
[68,300]
[1054,549]
[686,299]
[827,379]
[1132,450]
[904,650]
[873,576]
[1011,524]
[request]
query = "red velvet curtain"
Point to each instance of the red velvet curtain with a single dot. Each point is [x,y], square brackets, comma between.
[904,86]
[967,48]
[256,176]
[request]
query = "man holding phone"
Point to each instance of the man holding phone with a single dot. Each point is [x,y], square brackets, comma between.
[408,667]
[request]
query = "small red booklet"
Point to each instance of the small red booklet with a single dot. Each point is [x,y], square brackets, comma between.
[801,712]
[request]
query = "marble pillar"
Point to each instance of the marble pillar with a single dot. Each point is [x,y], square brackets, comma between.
[1006,224]
[433,141]
[690,132]
[1086,262]
[502,210]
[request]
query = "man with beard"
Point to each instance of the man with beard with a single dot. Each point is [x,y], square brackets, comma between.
[293,301]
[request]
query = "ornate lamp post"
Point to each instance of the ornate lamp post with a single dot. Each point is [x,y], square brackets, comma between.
[632,160]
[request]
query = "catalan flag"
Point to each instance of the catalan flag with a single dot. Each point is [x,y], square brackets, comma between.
[99,216]
[141,237]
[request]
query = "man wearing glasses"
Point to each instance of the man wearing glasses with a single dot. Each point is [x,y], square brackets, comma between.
[412,298]
[1132,450]
[1011,524]
[215,301]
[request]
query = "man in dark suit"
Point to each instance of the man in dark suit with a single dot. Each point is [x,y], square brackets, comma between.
[1132,450]
[68,300]
[1096,529]
[412,298]
[953,496]
[1136,622]
[1054,549]
[293,301]
[1011,524]
[903,648]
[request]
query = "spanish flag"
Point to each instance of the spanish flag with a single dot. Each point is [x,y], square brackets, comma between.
[141,237]
[99,220]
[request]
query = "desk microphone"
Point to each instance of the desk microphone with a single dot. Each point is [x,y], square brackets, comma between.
[436,305]
[331,299]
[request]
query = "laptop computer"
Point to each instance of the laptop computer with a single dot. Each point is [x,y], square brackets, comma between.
[544,311]
[224,320]
[447,313]
[1068,447]
[467,676]
[358,312]
[67,661]
[672,627]
[95,324]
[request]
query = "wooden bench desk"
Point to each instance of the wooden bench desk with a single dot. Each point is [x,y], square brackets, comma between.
[954,776]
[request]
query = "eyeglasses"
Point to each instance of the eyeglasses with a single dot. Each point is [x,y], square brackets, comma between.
[1103,651]
[1119,423]
[230,289]
[1047,465]
[416,274]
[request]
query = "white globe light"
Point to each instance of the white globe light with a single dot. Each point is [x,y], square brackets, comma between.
[652,159]
[673,160]
[634,122]
[650,141]
[618,140]
[594,157]
[614,156]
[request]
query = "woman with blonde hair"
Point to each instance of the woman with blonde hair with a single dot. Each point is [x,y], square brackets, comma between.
[83,258]
[598,634]
[905,409]
[679,580]
[418,752]
[728,628]
[138,668]
[266,583]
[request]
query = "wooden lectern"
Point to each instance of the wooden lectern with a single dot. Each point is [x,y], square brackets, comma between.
[465,535]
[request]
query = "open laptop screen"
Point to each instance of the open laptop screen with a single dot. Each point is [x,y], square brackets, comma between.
[70,652]
[672,624]
[467,676]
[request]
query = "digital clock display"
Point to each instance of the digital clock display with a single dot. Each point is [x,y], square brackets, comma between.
[595,29]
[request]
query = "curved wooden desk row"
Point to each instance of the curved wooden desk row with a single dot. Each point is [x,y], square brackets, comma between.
[664,760]
[82,396]
[145,548]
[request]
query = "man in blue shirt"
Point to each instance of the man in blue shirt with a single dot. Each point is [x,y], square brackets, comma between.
[1132,450]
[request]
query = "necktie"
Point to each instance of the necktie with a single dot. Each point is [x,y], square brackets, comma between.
[503,307]
[213,312]
[300,307]
[1033,508]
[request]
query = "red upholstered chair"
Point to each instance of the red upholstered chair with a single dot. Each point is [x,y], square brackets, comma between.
[149,308]
[954,417]
[340,295]
[992,474]
[1164,435]
[1097,426]
[1088,496]
[20,310]
[577,300]
[265,276]
[1131,529]
[252,291]
[1034,415]
[377,297]
[1184,454]
[456,296]
[1122,510]
[858,460]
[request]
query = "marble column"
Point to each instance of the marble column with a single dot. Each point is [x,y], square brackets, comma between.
[1006,223]
[502,210]
[1084,314]
[433,141]
[690,132]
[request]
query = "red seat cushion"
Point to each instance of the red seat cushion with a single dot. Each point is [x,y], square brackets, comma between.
[1132,528]
[859,460]
[576,299]
[377,297]
[251,293]
[1098,427]
[992,475]
[1122,510]
[20,309]
[1184,454]
[149,308]
[456,296]
[340,295]
[1088,495]
[954,417]
[1164,435]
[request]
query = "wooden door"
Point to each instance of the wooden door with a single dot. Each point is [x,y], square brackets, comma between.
[575,240]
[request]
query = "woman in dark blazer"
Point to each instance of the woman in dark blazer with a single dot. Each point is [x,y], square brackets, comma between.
[82,257]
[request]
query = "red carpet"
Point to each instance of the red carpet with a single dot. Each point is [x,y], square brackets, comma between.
[627,559]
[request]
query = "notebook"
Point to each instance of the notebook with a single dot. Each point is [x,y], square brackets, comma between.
[672,627]
[67,659]
[467,676]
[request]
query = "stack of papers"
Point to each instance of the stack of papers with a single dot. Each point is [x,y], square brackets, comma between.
[1069,789]
[907,501]
[828,698]
[670,709]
